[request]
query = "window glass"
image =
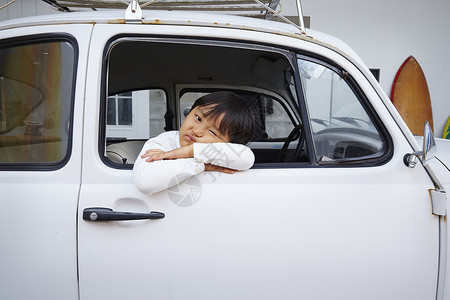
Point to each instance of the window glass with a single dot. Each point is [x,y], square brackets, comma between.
[342,129]
[277,122]
[36,82]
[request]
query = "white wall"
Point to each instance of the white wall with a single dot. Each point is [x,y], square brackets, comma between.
[24,8]
[383,32]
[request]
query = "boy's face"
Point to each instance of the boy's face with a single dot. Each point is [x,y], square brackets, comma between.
[196,128]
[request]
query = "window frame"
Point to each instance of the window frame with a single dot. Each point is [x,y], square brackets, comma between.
[298,107]
[172,105]
[41,39]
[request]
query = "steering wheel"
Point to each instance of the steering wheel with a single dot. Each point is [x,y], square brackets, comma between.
[292,135]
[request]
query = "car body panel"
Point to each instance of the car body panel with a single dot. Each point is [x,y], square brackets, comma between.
[38,219]
[443,151]
[257,234]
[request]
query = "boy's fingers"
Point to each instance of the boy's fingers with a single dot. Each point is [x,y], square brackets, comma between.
[161,156]
[157,154]
[156,157]
[152,152]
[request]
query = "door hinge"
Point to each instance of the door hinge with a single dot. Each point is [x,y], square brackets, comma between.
[439,202]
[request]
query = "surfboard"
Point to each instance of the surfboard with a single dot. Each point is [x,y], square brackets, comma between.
[411,97]
[446,134]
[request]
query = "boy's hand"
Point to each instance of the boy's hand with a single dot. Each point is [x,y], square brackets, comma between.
[156,154]
[152,152]
[183,152]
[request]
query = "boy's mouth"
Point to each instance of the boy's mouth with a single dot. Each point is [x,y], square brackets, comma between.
[189,138]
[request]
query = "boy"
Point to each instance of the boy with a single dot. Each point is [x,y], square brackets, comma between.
[211,138]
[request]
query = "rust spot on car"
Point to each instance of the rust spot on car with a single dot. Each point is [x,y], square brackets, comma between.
[155,21]
[117,21]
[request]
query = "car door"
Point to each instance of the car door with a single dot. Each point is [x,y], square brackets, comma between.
[40,160]
[349,222]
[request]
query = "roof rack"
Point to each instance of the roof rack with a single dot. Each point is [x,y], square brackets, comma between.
[263,9]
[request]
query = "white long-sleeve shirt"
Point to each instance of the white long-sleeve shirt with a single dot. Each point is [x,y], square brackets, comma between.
[156,176]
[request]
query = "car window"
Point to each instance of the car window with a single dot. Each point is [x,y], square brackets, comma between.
[36,82]
[342,129]
[142,101]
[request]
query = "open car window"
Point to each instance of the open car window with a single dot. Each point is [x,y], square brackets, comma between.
[143,101]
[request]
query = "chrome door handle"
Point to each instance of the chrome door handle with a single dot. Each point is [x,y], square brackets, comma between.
[102,214]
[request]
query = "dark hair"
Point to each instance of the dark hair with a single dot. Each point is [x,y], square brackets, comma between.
[237,121]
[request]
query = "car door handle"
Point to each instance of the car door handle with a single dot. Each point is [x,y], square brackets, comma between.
[102,214]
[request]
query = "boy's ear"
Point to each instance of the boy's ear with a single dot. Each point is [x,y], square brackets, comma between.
[186,111]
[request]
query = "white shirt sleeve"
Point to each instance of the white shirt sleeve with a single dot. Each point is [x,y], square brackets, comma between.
[233,156]
[156,176]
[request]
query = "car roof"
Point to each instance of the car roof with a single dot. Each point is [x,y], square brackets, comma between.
[115,16]
[155,17]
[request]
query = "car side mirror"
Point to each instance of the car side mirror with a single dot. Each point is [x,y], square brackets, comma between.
[428,149]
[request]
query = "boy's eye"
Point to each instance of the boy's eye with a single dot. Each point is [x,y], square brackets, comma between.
[213,132]
[197,117]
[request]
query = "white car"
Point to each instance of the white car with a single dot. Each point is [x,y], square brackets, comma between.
[341,203]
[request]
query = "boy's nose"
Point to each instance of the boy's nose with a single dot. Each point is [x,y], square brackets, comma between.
[197,131]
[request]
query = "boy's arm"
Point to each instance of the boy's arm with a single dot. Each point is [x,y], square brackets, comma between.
[151,178]
[183,152]
[227,155]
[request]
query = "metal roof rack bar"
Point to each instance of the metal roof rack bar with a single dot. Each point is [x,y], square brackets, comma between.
[301,22]
[56,5]
[273,5]
[7,4]
[299,10]
[163,4]
[265,9]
